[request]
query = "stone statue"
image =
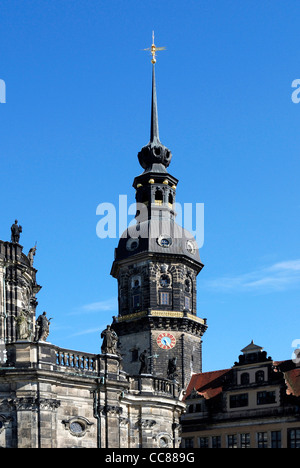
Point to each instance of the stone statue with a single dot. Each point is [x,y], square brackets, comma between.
[110,341]
[22,326]
[31,255]
[172,367]
[42,327]
[144,362]
[15,232]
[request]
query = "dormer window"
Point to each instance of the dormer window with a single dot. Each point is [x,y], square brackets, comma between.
[245,379]
[259,376]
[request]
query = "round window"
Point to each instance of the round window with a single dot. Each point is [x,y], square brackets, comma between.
[77,428]
[132,244]
[164,241]
[165,281]
[190,247]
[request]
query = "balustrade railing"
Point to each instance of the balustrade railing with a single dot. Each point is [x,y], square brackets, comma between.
[77,361]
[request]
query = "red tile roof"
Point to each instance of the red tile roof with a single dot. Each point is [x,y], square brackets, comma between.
[292,379]
[207,384]
[210,384]
[291,372]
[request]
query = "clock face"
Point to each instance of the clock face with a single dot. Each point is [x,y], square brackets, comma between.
[166,341]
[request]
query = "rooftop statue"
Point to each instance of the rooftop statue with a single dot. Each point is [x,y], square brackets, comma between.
[110,341]
[15,232]
[42,327]
[31,255]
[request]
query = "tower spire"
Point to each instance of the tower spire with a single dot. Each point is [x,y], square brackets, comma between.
[154,135]
[154,152]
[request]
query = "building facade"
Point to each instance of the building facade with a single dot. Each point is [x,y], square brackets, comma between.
[254,404]
[59,398]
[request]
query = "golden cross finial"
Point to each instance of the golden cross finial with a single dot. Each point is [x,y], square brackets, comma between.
[153,49]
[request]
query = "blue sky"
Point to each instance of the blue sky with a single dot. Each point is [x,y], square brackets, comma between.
[77,112]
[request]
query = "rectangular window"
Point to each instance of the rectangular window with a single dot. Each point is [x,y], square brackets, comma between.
[245,440]
[189,443]
[136,301]
[238,401]
[276,439]
[294,438]
[164,298]
[203,442]
[262,440]
[216,441]
[232,441]
[265,398]
[187,304]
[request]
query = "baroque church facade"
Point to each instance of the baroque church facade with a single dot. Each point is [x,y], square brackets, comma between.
[131,394]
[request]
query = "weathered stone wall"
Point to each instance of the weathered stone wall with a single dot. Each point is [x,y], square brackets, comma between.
[53,398]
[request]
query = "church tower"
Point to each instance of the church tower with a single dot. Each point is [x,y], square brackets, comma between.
[156,265]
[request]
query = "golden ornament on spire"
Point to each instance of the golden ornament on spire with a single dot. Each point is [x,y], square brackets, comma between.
[153,49]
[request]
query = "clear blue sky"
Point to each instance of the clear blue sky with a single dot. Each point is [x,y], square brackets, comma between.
[77,113]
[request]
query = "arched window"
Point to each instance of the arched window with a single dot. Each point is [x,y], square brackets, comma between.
[245,379]
[259,376]
[158,197]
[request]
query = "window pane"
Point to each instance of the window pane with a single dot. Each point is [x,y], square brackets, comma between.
[294,438]
[189,443]
[203,442]
[216,442]
[262,440]
[164,298]
[245,440]
[265,398]
[232,441]
[237,401]
[275,439]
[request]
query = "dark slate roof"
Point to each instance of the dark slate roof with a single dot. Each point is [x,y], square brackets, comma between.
[150,239]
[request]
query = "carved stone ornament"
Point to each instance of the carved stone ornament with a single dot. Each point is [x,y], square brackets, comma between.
[4,422]
[32,404]
[112,410]
[146,423]
[124,421]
